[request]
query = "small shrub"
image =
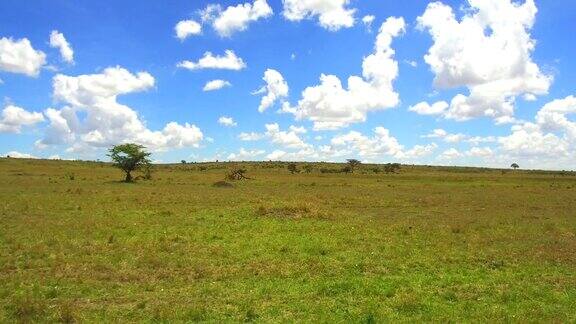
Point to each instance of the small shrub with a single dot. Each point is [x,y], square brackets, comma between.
[392,167]
[347,169]
[292,168]
[237,174]
[308,168]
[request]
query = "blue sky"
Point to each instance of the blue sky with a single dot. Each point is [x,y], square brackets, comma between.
[483,83]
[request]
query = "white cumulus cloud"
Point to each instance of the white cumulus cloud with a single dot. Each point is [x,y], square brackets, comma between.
[424,108]
[245,155]
[368,20]
[187,28]
[332,14]
[227,62]
[216,85]
[227,121]
[249,137]
[331,106]
[18,56]
[104,121]
[235,18]
[287,139]
[57,40]
[14,118]
[276,88]
[488,51]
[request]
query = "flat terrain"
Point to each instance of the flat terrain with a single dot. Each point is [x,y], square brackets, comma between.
[425,244]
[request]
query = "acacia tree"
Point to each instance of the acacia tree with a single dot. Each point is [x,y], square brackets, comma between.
[353,164]
[129,157]
[515,166]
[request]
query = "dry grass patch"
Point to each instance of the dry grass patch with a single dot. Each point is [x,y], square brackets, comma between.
[222,184]
[299,211]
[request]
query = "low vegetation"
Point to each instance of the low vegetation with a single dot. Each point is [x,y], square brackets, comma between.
[419,244]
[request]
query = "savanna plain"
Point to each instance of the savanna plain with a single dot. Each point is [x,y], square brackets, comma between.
[420,244]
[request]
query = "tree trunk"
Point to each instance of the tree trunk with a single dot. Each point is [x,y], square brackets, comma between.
[128,177]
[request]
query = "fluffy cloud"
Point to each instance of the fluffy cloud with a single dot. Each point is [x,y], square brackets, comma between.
[552,117]
[289,139]
[19,57]
[481,152]
[379,145]
[368,20]
[276,88]
[549,141]
[529,140]
[459,137]
[57,40]
[187,28]
[227,62]
[227,121]
[489,52]
[235,18]
[14,118]
[298,129]
[216,85]
[330,106]
[245,155]
[382,146]
[104,121]
[332,14]
[424,108]
[305,154]
[249,137]
[447,137]
[450,155]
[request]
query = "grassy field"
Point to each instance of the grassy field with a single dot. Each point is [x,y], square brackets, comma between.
[425,244]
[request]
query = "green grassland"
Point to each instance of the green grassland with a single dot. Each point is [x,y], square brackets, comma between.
[424,244]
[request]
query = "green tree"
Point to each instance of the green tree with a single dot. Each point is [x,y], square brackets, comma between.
[129,157]
[515,166]
[353,164]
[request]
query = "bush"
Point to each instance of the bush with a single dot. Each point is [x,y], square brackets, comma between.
[392,167]
[236,174]
[292,168]
[308,168]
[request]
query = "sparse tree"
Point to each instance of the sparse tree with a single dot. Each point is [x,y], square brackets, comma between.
[515,166]
[183,161]
[293,168]
[308,168]
[129,157]
[353,164]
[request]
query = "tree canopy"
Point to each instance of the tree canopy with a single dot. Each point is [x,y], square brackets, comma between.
[129,157]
